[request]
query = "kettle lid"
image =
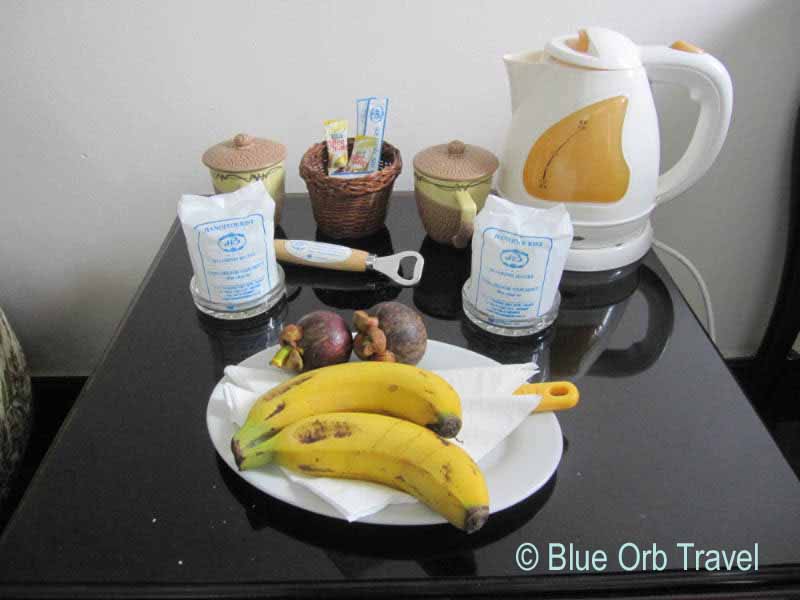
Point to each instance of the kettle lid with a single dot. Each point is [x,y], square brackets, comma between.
[596,48]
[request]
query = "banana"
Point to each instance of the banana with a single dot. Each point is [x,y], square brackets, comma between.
[394,389]
[384,450]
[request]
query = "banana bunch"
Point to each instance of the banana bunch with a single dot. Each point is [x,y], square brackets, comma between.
[372,421]
[385,450]
[394,389]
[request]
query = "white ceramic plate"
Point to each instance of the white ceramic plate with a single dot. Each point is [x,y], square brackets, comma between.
[514,470]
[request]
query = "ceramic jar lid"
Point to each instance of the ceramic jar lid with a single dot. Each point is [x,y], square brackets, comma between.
[244,153]
[456,161]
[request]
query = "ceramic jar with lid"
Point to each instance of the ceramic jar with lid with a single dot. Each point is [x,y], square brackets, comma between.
[451,182]
[236,162]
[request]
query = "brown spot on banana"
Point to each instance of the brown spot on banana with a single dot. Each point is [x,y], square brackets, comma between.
[341,430]
[262,438]
[314,432]
[281,389]
[278,409]
[318,430]
[393,388]
[447,472]
[314,469]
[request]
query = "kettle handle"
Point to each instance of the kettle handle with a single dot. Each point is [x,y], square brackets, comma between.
[709,84]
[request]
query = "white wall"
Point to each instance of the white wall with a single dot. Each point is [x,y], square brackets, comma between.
[107,108]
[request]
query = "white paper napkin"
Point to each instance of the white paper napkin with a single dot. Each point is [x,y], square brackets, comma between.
[490,412]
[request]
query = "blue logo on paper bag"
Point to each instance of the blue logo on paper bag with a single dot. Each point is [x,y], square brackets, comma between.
[376,114]
[232,242]
[516,259]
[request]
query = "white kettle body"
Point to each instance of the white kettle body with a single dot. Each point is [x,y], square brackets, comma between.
[584,131]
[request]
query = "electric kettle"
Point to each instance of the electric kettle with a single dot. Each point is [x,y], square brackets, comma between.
[584,131]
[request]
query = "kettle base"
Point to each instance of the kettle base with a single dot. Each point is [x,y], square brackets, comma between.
[613,256]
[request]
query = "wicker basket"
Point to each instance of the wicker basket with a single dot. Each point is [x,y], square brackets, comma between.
[349,207]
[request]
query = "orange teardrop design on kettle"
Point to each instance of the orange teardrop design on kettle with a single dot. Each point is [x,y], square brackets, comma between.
[579,159]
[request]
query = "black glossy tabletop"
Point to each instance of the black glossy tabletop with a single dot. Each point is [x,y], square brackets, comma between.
[663,448]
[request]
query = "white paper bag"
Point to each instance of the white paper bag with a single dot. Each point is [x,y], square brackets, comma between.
[230,242]
[518,255]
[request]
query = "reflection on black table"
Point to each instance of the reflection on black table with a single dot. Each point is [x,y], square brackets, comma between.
[591,310]
[233,341]
[438,293]
[663,447]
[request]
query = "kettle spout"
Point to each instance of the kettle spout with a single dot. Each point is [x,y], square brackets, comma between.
[522,70]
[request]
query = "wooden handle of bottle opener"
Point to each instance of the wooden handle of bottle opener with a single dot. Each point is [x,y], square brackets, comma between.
[321,255]
[556,395]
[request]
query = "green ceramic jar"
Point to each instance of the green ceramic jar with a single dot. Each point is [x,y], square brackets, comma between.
[236,162]
[451,183]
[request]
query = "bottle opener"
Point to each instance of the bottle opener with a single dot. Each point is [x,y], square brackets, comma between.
[341,258]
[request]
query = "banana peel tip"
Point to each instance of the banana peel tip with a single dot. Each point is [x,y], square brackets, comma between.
[237,453]
[448,426]
[475,518]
